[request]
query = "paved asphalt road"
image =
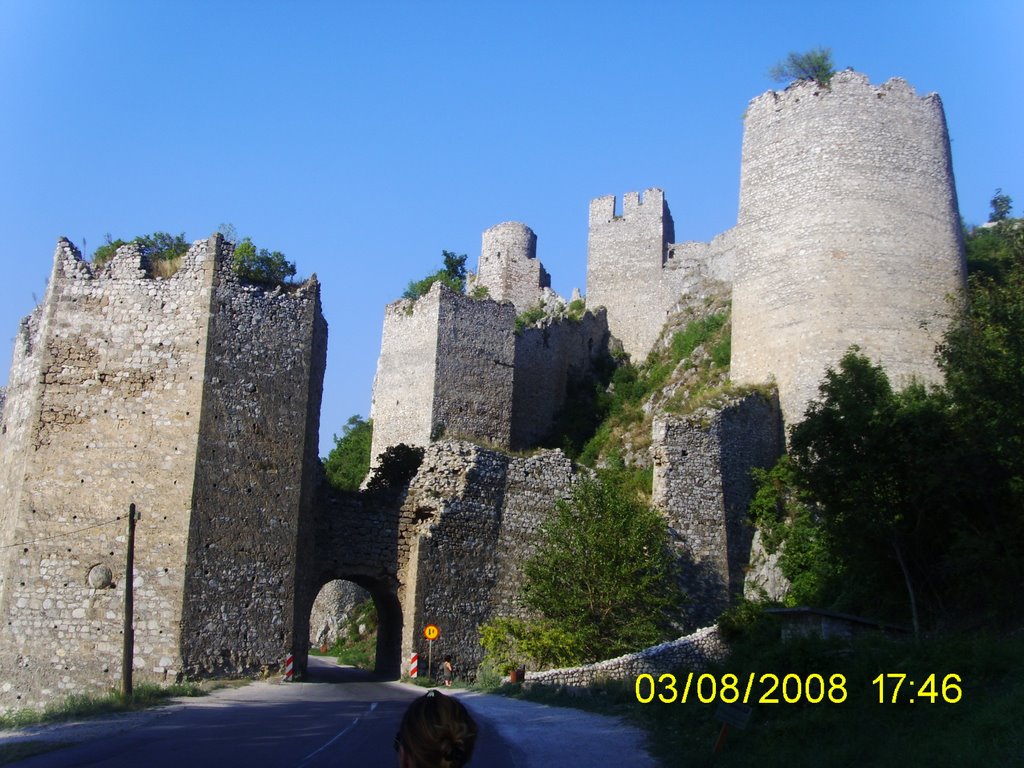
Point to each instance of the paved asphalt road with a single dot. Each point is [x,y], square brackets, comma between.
[340,717]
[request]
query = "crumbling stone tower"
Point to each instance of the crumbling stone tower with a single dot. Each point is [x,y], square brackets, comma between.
[508,265]
[848,233]
[195,397]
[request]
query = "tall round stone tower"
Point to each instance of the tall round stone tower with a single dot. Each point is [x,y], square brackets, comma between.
[509,267]
[848,233]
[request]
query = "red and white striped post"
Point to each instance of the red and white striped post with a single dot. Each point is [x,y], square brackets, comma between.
[289,668]
[414,665]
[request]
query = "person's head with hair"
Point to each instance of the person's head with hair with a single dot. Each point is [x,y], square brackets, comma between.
[436,732]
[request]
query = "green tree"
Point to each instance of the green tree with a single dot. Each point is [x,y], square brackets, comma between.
[815,64]
[602,579]
[261,265]
[349,461]
[982,357]
[791,526]
[882,468]
[158,246]
[161,246]
[1001,206]
[105,252]
[452,274]
[396,466]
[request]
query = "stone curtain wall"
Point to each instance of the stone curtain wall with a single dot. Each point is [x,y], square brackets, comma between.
[103,411]
[848,233]
[702,484]
[694,652]
[547,361]
[508,265]
[696,262]
[265,362]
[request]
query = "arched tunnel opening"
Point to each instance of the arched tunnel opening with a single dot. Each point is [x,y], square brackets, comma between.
[349,610]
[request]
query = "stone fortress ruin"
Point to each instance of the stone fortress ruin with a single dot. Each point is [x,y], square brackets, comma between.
[196,398]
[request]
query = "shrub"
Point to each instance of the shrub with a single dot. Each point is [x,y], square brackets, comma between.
[603,578]
[349,461]
[453,274]
[396,467]
[260,265]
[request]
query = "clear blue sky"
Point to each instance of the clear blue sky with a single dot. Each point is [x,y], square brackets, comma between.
[363,138]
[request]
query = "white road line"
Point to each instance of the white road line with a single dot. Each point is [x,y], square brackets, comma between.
[311,755]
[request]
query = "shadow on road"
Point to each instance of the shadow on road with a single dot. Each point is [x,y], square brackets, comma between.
[327,670]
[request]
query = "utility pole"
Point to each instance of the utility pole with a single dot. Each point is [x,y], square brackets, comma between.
[128,653]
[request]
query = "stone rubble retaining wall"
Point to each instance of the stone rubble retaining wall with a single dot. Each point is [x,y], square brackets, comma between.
[692,651]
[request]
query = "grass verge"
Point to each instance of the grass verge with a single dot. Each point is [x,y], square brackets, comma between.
[984,727]
[87,705]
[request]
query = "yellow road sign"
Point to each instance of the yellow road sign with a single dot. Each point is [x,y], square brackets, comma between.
[431,632]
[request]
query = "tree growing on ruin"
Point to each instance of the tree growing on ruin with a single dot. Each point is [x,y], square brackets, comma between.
[452,274]
[602,582]
[815,64]
[1001,204]
[349,461]
[260,265]
[158,246]
[396,467]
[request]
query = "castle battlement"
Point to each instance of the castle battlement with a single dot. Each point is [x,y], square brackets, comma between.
[844,86]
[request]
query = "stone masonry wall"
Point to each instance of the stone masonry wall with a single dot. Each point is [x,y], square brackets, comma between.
[848,233]
[477,515]
[694,651]
[103,411]
[636,272]
[509,267]
[702,483]
[445,369]
[403,388]
[255,458]
[547,361]
[475,364]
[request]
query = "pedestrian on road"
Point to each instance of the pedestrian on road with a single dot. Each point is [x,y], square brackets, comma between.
[447,672]
[437,731]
